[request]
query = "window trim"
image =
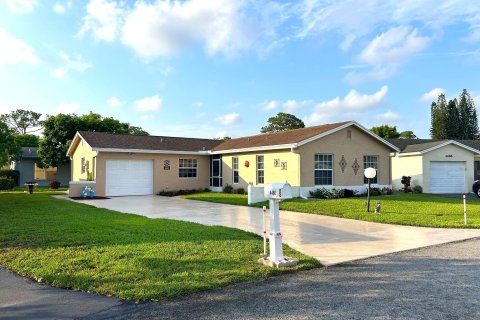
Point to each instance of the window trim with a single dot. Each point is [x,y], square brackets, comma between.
[376,179]
[315,170]
[235,170]
[262,170]
[82,165]
[194,161]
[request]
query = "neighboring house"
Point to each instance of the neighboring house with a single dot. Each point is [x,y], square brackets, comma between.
[331,156]
[438,166]
[28,168]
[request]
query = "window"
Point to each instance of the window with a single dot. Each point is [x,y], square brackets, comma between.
[235,169]
[216,171]
[476,170]
[187,168]
[370,162]
[45,174]
[260,170]
[323,169]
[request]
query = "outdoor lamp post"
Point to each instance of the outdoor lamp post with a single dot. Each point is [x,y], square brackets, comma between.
[369,173]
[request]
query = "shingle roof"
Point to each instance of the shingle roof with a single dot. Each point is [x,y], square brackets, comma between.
[276,138]
[120,141]
[419,145]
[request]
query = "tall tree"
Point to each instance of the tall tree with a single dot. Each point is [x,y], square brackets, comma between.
[468,116]
[59,130]
[385,131]
[407,135]
[22,121]
[282,122]
[453,127]
[27,140]
[8,148]
[439,118]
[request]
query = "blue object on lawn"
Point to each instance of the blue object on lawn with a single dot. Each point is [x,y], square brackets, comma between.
[84,192]
[92,193]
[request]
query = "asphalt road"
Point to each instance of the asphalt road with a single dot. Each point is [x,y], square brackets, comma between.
[441,282]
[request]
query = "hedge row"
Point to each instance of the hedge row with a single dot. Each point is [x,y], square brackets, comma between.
[12,174]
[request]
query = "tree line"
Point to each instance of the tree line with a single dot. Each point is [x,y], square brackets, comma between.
[455,119]
[17,128]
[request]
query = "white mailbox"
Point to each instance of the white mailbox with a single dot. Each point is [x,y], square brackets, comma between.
[278,191]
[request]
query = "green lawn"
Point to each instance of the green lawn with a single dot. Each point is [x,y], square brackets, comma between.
[405,209]
[76,246]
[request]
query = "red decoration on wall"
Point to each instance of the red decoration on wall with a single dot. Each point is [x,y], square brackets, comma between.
[247,164]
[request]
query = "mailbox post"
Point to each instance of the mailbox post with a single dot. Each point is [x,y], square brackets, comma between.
[276,192]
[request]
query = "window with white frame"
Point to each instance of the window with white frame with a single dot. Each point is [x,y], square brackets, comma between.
[370,161]
[235,176]
[260,170]
[187,168]
[323,169]
[83,165]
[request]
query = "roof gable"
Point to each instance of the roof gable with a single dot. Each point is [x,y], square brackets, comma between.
[421,146]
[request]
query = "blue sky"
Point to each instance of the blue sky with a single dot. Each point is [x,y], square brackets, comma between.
[209,68]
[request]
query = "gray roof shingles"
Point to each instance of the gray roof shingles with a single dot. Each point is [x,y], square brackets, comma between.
[419,145]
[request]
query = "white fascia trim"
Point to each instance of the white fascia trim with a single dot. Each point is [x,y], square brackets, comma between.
[409,154]
[346,125]
[150,151]
[446,143]
[79,136]
[253,149]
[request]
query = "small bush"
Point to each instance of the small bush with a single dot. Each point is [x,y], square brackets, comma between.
[12,174]
[417,189]
[240,191]
[375,192]
[228,189]
[6,183]
[323,193]
[181,192]
[54,184]
[386,191]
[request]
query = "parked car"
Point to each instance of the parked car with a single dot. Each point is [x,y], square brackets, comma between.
[476,187]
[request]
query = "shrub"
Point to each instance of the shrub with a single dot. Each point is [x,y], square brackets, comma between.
[375,192]
[174,193]
[417,189]
[323,193]
[386,191]
[228,189]
[54,184]
[6,183]
[344,193]
[406,180]
[240,191]
[12,174]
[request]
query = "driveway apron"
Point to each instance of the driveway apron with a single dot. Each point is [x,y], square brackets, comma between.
[330,240]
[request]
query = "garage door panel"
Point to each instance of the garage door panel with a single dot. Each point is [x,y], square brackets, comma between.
[129,177]
[447,177]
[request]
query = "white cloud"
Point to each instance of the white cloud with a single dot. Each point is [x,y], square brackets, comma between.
[153,103]
[387,52]
[167,71]
[164,28]
[221,134]
[432,95]
[198,104]
[62,7]
[388,116]
[114,102]
[292,105]
[15,50]
[21,6]
[228,119]
[352,103]
[75,64]
[67,107]
[104,19]
[269,105]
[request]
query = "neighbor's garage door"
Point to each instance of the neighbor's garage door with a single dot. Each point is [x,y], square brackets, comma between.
[129,177]
[447,177]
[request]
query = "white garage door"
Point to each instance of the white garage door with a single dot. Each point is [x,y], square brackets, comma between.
[447,177]
[129,177]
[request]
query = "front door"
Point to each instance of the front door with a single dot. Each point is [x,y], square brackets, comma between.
[216,172]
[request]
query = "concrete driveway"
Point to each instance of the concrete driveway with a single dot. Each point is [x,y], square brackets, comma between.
[328,239]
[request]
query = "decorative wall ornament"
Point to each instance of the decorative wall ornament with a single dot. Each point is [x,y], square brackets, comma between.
[166,165]
[355,166]
[343,163]
[276,163]
[284,166]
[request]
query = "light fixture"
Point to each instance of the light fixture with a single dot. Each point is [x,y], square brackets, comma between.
[369,173]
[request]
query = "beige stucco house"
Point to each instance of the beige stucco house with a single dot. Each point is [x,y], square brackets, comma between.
[438,166]
[330,155]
